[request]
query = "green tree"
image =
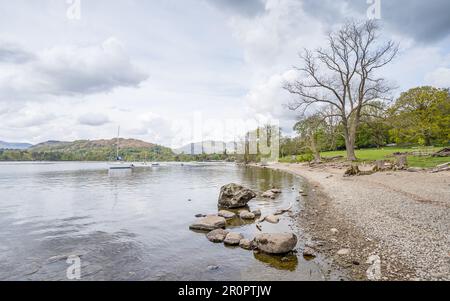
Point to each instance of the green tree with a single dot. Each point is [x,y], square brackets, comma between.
[312,131]
[290,146]
[374,129]
[421,116]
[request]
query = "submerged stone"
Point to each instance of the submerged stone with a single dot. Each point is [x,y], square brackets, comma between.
[226,214]
[273,219]
[246,244]
[208,223]
[257,212]
[246,215]
[233,239]
[269,195]
[217,235]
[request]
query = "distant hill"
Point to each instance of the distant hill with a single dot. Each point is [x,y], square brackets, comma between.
[13,145]
[48,145]
[92,150]
[91,144]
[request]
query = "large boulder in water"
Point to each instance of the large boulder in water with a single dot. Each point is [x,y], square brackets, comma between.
[235,196]
[276,243]
[209,223]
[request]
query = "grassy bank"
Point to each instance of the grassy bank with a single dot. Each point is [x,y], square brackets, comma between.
[419,155]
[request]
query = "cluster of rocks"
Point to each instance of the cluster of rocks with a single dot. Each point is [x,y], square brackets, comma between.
[234,196]
[271,243]
[401,163]
[271,194]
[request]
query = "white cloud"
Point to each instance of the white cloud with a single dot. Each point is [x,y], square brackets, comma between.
[69,70]
[268,100]
[153,127]
[11,53]
[439,78]
[416,66]
[226,61]
[93,119]
[28,117]
[271,40]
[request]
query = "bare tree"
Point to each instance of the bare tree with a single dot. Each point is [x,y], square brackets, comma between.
[344,76]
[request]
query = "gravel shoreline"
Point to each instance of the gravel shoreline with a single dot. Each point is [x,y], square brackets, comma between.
[402,217]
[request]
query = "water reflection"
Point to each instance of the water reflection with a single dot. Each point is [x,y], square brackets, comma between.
[280,262]
[119,173]
[132,225]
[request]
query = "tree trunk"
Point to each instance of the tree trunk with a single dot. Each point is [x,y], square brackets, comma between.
[314,149]
[349,136]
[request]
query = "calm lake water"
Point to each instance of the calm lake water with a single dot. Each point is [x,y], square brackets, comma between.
[135,225]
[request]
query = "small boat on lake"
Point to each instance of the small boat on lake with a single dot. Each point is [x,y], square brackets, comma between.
[120,163]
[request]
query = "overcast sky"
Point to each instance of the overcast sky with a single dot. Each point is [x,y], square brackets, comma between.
[161,68]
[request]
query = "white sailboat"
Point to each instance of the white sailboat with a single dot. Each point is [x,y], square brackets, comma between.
[119,164]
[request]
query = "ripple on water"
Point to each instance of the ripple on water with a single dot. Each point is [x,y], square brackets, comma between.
[135,226]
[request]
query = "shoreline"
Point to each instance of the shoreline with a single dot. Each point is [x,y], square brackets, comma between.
[386,214]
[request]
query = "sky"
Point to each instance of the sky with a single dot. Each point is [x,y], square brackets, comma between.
[172,72]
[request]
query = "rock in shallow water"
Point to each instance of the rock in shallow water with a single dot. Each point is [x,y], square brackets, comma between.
[276,243]
[235,196]
[257,212]
[268,195]
[273,219]
[226,214]
[217,235]
[246,244]
[246,215]
[309,252]
[233,239]
[213,268]
[208,223]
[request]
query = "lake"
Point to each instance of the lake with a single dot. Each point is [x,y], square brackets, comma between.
[134,225]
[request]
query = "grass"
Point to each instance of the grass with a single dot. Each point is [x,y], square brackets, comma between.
[373,154]
[427,162]
[387,152]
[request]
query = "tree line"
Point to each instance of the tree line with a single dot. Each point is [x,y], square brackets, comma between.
[344,102]
[420,116]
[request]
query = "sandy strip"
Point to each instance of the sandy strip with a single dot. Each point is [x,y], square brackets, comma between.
[403,217]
